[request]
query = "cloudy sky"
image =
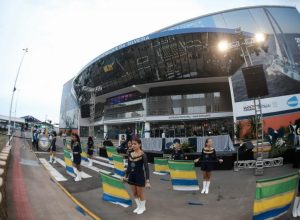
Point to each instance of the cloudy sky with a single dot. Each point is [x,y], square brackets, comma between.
[64,35]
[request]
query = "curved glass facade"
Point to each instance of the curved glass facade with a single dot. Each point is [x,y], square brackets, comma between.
[174,57]
[188,51]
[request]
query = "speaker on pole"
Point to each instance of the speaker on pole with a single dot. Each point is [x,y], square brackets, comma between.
[255,81]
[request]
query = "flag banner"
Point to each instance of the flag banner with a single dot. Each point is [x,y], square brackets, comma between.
[83,154]
[68,144]
[161,166]
[273,197]
[69,163]
[183,175]
[110,150]
[119,166]
[114,191]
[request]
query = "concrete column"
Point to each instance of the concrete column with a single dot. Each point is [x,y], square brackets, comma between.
[147,129]
[105,129]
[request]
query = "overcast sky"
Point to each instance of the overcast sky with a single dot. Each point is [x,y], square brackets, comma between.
[64,35]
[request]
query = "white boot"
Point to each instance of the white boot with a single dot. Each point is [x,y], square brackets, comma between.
[138,205]
[50,160]
[295,207]
[54,161]
[90,162]
[204,186]
[142,208]
[78,176]
[207,187]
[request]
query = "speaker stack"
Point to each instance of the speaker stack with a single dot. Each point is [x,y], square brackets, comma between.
[255,80]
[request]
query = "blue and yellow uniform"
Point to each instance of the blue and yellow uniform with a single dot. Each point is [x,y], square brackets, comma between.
[76,149]
[90,147]
[135,169]
[208,158]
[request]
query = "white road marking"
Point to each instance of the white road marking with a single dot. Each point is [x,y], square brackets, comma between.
[83,174]
[103,164]
[52,171]
[101,158]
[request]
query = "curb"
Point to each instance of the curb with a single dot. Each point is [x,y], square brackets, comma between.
[85,209]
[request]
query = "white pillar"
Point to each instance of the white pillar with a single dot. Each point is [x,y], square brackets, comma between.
[105,129]
[147,129]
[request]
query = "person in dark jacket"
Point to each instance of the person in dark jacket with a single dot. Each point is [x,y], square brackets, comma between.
[137,175]
[177,153]
[76,150]
[207,159]
[53,148]
[129,147]
[90,150]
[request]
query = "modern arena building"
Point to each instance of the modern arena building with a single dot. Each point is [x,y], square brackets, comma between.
[185,80]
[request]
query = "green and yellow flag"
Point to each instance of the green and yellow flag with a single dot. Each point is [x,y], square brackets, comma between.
[69,164]
[273,197]
[114,190]
[119,166]
[161,166]
[110,150]
[183,175]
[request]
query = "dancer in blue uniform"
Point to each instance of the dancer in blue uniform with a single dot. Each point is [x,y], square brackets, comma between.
[53,148]
[76,150]
[207,159]
[90,150]
[135,174]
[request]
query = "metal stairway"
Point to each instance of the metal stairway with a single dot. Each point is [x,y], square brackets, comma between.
[259,165]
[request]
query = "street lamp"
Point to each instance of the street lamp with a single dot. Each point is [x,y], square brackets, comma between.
[12,97]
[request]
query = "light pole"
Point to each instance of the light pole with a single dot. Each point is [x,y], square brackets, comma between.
[12,97]
[15,112]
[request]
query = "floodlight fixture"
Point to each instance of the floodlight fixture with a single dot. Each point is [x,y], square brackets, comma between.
[260,37]
[223,46]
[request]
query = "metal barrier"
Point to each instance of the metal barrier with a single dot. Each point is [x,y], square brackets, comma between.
[250,164]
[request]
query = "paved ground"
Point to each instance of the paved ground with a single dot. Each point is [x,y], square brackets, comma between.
[30,192]
[231,193]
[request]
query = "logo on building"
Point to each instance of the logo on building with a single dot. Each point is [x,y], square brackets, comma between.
[292,102]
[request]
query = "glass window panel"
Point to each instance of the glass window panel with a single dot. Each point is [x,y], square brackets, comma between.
[217,94]
[176,97]
[177,111]
[241,18]
[287,18]
[261,20]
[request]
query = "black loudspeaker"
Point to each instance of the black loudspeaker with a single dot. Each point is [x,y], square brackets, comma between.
[85,111]
[255,80]
[248,145]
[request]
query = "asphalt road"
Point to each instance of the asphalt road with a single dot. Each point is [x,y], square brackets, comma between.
[231,195]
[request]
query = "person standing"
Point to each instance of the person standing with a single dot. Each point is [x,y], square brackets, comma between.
[53,148]
[135,175]
[90,150]
[36,139]
[292,133]
[76,150]
[207,159]
[129,147]
[177,153]
[64,137]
